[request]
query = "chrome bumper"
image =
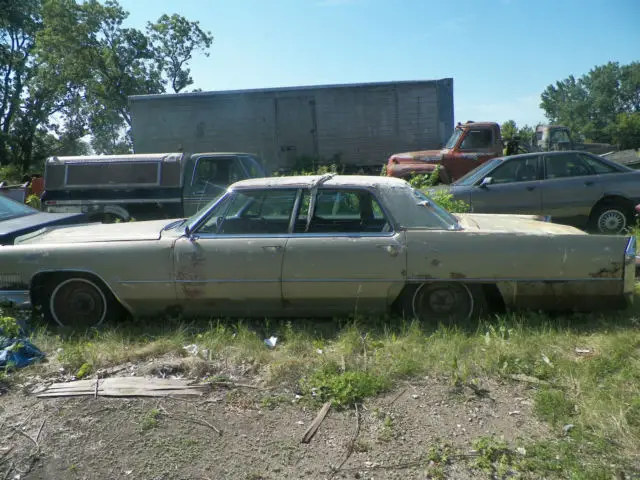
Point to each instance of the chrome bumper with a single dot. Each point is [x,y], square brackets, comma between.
[15,298]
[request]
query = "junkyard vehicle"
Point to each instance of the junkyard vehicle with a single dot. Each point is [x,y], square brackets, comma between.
[17,219]
[470,145]
[142,186]
[319,245]
[549,138]
[573,187]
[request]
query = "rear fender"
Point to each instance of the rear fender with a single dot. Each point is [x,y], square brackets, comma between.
[497,257]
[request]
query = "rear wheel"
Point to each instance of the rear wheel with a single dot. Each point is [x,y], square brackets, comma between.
[79,302]
[611,218]
[447,302]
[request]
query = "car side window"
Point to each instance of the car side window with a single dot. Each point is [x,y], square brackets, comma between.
[258,212]
[217,171]
[516,170]
[342,211]
[597,166]
[477,139]
[565,165]
[252,166]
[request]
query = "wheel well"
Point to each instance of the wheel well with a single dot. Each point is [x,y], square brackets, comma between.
[610,200]
[492,294]
[40,281]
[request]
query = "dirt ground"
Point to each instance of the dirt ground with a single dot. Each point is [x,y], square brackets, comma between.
[260,433]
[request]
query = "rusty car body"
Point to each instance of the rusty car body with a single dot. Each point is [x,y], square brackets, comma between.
[470,145]
[319,245]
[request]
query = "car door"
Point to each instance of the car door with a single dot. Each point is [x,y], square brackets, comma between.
[476,147]
[571,187]
[209,179]
[232,263]
[514,188]
[346,258]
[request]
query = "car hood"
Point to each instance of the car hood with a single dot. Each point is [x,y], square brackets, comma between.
[98,232]
[37,219]
[488,222]
[428,156]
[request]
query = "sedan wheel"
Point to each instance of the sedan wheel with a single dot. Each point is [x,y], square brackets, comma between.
[448,302]
[78,302]
[611,220]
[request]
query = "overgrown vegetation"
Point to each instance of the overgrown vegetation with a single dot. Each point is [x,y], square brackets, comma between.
[588,366]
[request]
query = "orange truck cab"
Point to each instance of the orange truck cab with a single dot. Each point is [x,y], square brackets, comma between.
[470,145]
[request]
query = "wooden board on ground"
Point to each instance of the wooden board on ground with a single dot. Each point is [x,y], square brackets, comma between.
[125,387]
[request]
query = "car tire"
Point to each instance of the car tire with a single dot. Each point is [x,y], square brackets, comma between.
[79,301]
[448,303]
[610,218]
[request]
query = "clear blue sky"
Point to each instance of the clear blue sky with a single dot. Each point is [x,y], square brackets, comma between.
[501,53]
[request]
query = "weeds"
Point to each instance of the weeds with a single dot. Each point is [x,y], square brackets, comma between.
[149,420]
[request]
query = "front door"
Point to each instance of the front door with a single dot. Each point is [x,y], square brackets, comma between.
[477,146]
[515,188]
[210,177]
[345,259]
[232,263]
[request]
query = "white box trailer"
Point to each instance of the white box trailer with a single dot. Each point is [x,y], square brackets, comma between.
[355,125]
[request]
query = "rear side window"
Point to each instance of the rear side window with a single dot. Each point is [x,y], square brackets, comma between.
[597,166]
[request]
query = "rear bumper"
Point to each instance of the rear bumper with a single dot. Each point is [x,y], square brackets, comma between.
[15,298]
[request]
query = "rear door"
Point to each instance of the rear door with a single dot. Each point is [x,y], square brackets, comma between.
[346,258]
[515,188]
[571,186]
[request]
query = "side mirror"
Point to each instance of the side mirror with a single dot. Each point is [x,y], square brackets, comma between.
[486,181]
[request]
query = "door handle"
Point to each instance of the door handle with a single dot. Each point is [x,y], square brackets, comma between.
[531,188]
[390,249]
[272,248]
[588,183]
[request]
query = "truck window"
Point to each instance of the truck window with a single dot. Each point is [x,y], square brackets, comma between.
[477,139]
[217,170]
[112,173]
[253,168]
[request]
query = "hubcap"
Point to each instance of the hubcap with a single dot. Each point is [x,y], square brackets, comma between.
[78,302]
[443,302]
[612,221]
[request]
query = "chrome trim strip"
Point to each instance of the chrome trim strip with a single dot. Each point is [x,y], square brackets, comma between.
[16,298]
[210,236]
[372,280]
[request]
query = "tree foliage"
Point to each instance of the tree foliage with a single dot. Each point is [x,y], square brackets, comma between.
[67,68]
[600,105]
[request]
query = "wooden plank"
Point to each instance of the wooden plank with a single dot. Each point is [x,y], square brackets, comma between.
[125,387]
[313,428]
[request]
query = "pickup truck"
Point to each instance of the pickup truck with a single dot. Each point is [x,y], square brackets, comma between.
[470,145]
[110,188]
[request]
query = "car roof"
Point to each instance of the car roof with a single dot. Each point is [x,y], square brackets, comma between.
[308,181]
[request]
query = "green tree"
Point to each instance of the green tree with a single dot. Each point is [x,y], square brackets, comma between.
[174,40]
[626,130]
[592,104]
[508,130]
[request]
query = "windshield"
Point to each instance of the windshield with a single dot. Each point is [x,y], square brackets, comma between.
[479,172]
[11,209]
[453,139]
[443,216]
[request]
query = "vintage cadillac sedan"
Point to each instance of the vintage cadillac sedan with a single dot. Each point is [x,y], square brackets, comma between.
[320,245]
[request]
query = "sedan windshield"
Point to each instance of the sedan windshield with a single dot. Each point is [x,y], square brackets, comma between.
[479,172]
[11,209]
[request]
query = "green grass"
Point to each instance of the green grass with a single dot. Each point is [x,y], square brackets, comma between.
[347,361]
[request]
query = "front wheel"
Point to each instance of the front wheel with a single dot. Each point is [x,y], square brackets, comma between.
[79,302]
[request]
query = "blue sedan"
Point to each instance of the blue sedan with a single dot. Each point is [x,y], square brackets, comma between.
[18,219]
